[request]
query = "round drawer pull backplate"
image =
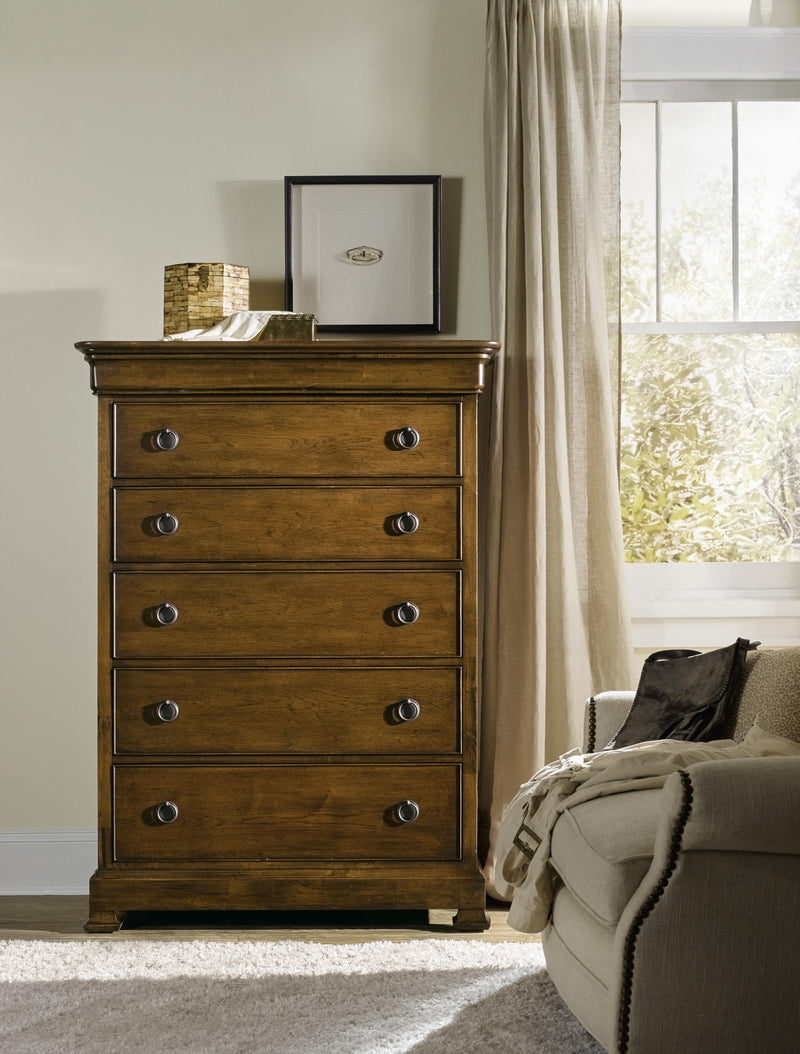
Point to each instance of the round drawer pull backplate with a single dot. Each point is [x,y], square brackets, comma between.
[406,811]
[166,614]
[166,523]
[167,439]
[166,812]
[167,710]
[405,614]
[405,523]
[407,710]
[405,438]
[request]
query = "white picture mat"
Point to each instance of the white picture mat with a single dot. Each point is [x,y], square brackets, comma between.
[330,219]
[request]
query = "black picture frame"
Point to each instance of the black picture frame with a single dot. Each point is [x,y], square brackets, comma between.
[335,269]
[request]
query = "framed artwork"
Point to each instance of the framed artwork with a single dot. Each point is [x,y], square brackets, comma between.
[362,252]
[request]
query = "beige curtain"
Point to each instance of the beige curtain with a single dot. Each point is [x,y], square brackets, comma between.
[555,623]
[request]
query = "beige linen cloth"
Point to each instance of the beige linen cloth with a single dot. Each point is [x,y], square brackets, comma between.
[241,325]
[529,819]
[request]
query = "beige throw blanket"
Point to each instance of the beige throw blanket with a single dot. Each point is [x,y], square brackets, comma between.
[524,841]
[241,325]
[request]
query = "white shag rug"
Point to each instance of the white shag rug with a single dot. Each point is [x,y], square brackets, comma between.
[281,997]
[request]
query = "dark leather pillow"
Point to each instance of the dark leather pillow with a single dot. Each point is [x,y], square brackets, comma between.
[684,695]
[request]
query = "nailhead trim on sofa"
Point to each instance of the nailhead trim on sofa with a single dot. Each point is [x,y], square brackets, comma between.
[630,940]
[591,732]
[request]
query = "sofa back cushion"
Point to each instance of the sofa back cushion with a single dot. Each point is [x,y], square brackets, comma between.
[770,694]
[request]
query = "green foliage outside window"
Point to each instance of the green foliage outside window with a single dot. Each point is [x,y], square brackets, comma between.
[710,436]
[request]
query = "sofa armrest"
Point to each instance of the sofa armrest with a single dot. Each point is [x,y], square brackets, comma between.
[735,805]
[603,718]
[726,863]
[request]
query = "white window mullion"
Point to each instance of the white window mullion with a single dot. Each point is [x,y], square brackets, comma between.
[735,206]
[659,217]
[710,327]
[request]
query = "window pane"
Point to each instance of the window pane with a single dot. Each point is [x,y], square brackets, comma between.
[638,217]
[711,447]
[696,212]
[769,210]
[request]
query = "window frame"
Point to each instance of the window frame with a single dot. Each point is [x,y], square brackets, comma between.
[706,604]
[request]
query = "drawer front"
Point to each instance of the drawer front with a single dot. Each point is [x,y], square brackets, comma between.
[379,710]
[286,523]
[282,812]
[323,438]
[294,613]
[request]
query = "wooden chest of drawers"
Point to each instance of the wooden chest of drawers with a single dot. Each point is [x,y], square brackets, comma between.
[287,630]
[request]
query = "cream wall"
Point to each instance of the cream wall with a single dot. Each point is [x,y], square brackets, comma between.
[140,134]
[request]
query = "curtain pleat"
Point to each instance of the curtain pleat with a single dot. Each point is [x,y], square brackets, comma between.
[555,620]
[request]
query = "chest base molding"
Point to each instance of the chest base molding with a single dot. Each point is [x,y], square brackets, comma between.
[461,889]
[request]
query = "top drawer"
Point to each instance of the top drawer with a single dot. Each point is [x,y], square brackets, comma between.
[165,438]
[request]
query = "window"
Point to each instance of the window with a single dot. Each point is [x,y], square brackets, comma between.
[710,427]
[706,599]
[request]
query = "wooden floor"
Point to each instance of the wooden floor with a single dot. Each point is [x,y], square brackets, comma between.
[62,918]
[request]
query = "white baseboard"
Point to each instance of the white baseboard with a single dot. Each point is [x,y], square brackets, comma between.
[50,862]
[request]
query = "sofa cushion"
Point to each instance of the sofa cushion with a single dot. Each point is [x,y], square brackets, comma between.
[602,848]
[771,693]
[592,1000]
[589,940]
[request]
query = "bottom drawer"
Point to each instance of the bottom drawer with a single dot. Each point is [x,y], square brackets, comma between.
[286,812]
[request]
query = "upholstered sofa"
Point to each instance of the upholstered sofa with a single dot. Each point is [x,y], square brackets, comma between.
[675,926]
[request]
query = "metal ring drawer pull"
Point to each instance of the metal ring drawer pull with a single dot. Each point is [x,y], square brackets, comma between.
[166,523]
[166,614]
[407,710]
[405,523]
[406,811]
[167,439]
[404,614]
[167,710]
[166,812]
[405,438]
